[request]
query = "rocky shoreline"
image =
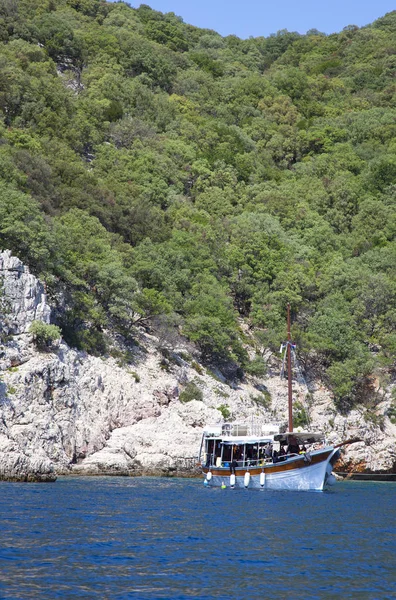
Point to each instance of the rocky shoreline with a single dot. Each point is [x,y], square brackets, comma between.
[65,412]
[14,466]
[367,476]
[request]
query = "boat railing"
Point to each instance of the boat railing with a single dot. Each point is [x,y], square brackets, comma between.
[245,429]
[261,462]
[235,429]
[249,463]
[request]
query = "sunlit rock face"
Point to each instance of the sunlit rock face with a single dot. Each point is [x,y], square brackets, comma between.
[64,411]
[24,293]
[15,465]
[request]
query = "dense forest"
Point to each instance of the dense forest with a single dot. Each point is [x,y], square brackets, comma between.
[158,174]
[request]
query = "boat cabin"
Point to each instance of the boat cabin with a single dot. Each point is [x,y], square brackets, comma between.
[236,452]
[233,445]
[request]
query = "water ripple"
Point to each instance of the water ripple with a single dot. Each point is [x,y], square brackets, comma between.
[124,538]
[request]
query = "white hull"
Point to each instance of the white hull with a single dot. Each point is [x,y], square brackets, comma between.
[312,477]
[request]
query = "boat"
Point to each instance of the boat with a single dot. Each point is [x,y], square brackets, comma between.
[247,455]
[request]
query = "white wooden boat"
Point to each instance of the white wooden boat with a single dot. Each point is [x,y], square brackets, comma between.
[229,459]
[246,456]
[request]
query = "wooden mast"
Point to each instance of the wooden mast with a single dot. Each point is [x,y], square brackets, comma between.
[289,370]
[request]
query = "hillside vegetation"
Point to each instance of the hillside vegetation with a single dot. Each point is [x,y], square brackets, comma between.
[156,173]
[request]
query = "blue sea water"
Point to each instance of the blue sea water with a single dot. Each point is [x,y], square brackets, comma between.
[149,538]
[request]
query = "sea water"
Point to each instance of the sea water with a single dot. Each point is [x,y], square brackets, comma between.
[150,538]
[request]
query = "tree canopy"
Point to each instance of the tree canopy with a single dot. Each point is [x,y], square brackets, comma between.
[151,169]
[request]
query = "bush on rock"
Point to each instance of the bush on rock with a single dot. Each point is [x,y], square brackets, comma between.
[44,335]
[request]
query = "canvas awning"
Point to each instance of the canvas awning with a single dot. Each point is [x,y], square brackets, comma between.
[302,437]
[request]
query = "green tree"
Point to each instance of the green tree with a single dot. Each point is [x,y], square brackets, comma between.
[44,335]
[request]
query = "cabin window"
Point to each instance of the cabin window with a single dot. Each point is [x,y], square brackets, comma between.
[213,450]
[227,453]
[209,452]
[209,446]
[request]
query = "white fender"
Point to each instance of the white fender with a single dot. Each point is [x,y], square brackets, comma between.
[262,479]
[246,480]
[208,476]
[232,480]
[331,480]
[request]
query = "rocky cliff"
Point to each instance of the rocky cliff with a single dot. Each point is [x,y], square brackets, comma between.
[63,411]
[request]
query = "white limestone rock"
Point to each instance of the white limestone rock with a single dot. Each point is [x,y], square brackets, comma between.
[17,466]
[24,293]
[65,411]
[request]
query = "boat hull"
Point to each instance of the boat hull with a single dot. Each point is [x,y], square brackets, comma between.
[309,473]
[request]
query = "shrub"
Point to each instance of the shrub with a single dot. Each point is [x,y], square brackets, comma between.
[391,413]
[263,399]
[136,376]
[123,357]
[256,367]
[300,415]
[225,411]
[197,367]
[370,416]
[191,392]
[220,393]
[44,335]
